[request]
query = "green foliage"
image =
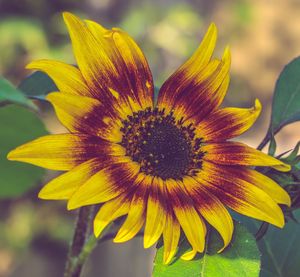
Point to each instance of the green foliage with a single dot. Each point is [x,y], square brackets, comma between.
[37,85]
[279,248]
[272,146]
[17,126]
[241,258]
[9,94]
[286,99]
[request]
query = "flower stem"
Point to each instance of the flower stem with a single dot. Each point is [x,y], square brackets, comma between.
[264,142]
[82,230]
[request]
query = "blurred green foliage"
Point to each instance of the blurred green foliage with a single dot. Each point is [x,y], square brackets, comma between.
[17,125]
[241,257]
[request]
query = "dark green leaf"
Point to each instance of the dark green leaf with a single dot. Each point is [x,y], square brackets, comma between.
[241,258]
[9,94]
[286,100]
[37,85]
[17,126]
[279,248]
[292,157]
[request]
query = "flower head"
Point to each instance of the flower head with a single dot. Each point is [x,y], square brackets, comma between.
[167,166]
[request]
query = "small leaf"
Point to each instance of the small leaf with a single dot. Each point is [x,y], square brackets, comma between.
[272,147]
[292,157]
[279,248]
[37,85]
[10,94]
[241,258]
[17,126]
[286,100]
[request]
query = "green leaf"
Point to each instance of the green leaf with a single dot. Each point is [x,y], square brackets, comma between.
[17,126]
[241,258]
[37,85]
[272,147]
[292,157]
[10,94]
[279,248]
[286,99]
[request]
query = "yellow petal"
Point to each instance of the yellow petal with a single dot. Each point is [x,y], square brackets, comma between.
[227,123]
[67,78]
[58,152]
[156,213]
[238,194]
[135,78]
[277,193]
[135,219]
[110,211]
[190,221]
[236,153]
[189,255]
[171,235]
[211,208]
[199,97]
[92,58]
[86,115]
[190,72]
[108,183]
[64,186]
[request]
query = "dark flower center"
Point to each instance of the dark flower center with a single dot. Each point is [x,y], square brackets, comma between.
[164,147]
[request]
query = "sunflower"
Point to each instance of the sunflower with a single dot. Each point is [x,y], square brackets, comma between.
[168,166]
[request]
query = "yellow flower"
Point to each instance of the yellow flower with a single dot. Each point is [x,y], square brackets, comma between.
[166,165]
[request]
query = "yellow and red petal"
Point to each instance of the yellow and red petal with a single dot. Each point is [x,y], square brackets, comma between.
[199,99]
[118,177]
[67,77]
[65,185]
[211,208]
[227,123]
[59,152]
[101,64]
[110,211]
[189,71]
[277,193]
[236,153]
[135,75]
[189,219]
[171,235]
[87,115]
[194,99]
[238,194]
[156,213]
[137,212]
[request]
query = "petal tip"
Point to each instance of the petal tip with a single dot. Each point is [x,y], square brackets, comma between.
[187,256]
[11,155]
[213,29]
[70,18]
[257,106]
[72,205]
[31,65]
[118,239]
[167,259]
[148,242]
[67,15]
[227,53]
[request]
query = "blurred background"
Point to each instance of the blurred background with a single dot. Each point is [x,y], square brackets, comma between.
[264,35]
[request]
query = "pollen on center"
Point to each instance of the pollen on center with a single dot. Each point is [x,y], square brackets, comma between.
[163,146]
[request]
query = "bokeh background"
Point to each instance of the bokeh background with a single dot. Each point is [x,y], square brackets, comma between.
[264,35]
